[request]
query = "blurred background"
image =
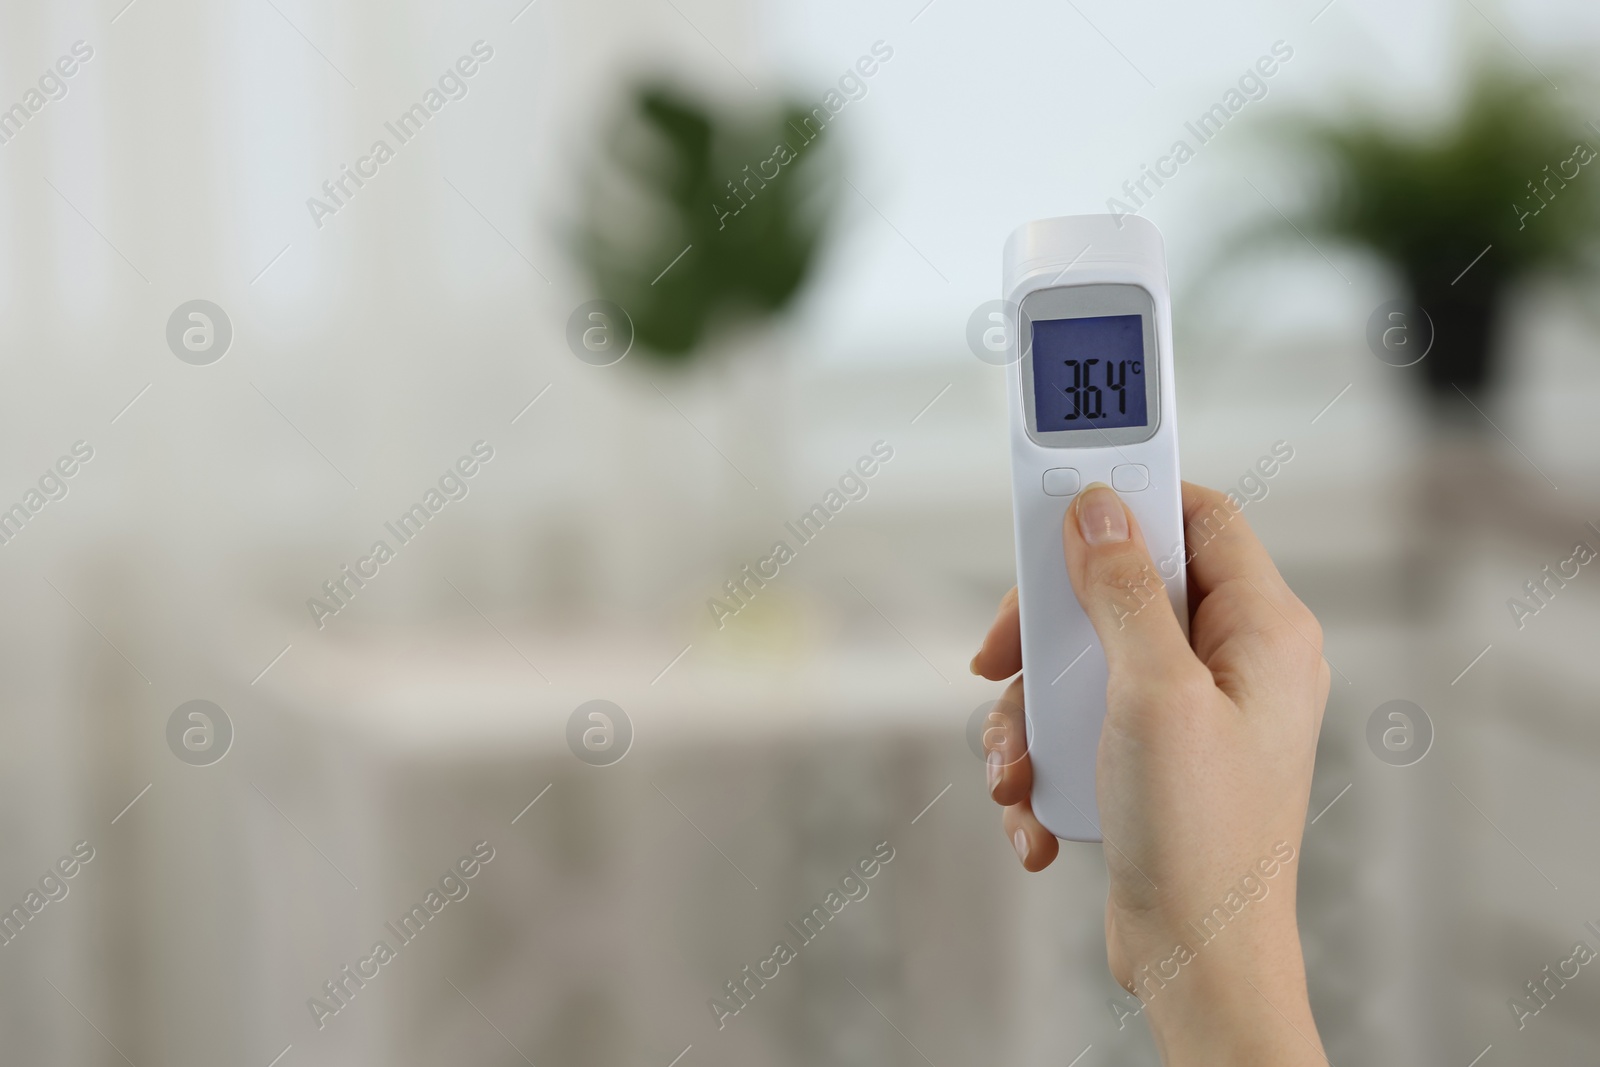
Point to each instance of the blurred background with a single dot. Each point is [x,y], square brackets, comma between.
[362,335]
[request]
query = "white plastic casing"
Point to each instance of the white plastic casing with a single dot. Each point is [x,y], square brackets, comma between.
[1065,711]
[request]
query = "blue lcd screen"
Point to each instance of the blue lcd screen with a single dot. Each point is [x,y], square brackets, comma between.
[1088,372]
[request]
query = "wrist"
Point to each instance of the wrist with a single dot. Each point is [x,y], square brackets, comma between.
[1239,1000]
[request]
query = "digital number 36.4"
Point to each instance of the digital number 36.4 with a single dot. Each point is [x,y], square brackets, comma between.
[1088,398]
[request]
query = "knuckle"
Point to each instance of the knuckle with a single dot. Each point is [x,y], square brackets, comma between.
[1297,638]
[1126,584]
[1311,628]
[1126,572]
[1302,620]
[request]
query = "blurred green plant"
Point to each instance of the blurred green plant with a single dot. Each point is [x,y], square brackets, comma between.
[677,178]
[1512,172]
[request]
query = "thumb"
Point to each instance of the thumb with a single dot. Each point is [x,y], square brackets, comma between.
[1120,589]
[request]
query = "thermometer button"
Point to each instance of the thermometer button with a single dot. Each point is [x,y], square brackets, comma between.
[1061,481]
[1130,477]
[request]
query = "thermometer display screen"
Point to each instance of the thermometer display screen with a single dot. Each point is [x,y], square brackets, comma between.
[1089,372]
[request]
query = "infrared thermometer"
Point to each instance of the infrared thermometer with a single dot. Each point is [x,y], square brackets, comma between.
[1092,400]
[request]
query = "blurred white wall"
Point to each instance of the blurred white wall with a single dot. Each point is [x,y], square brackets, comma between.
[372,352]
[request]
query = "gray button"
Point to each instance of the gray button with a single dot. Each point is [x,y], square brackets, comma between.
[1130,477]
[1061,481]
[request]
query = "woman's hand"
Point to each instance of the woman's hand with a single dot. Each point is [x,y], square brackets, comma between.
[1202,776]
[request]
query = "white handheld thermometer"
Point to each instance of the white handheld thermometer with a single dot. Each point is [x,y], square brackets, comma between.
[1092,400]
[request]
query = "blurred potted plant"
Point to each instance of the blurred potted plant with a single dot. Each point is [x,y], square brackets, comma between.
[696,219]
[703,222]
[1503,191]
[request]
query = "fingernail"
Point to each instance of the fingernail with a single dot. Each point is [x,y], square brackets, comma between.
[1101,518]
[1019,841]
[994,761]
[973,666]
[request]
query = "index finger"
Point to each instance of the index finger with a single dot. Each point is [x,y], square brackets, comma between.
[1221,547]
[1240,596]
